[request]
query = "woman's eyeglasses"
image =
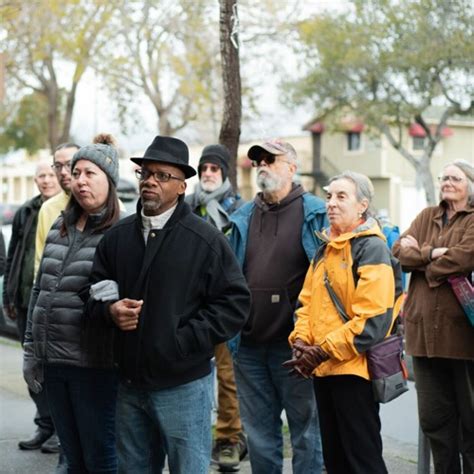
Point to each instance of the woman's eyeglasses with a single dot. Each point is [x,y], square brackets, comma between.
[453,179]
[160,176]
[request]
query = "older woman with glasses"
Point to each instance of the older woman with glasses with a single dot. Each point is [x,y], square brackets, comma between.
[440,244]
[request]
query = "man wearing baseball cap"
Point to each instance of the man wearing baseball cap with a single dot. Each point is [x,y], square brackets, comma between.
[174,291]
[274,239]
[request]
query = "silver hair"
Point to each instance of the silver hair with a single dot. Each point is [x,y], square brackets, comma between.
[292,156]
[468,170]
[364,188]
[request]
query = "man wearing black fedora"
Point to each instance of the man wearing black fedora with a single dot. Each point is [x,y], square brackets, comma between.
[171,284]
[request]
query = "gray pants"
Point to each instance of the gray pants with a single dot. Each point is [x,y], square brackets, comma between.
[445,391]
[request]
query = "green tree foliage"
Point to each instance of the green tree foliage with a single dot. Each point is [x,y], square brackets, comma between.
[49,45]
[25,126]
[388,62]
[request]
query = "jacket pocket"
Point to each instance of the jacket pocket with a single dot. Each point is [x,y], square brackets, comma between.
[271,315]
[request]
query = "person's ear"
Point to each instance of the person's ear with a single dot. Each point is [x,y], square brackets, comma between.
[182,188]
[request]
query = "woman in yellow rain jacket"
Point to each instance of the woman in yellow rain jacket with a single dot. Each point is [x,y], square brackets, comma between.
[367,280]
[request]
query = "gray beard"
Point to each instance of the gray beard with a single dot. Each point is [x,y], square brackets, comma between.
[150,207]
[269,182]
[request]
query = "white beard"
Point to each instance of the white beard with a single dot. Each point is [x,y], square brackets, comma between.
[211,186]
[269,182]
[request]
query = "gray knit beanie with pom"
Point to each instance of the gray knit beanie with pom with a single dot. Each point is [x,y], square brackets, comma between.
[102,153]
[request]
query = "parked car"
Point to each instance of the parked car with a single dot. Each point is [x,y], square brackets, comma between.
[7,325]
[7,211]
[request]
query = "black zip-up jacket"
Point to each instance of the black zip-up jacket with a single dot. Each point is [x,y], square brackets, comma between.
[18,279]
[58,331]
[194,294]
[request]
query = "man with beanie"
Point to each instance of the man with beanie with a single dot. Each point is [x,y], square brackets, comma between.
[214,200]
[17,285]
[274,238]
[179,292]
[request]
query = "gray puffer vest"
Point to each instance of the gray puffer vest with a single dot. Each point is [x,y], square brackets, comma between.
[60,331]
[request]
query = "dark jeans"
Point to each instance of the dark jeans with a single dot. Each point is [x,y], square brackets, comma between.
[445,392]
[43,416]
[265,389]
[82,403]
[350,425]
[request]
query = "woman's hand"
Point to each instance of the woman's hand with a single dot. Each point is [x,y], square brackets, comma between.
[305,359]
[438,252]
[409,242]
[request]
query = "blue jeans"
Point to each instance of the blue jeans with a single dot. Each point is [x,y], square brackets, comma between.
[181,415]
[265,389]
[82,404]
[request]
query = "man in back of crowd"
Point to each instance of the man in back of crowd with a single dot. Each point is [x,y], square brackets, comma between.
[214,200]
[17,285]
[50,211]
[274,240]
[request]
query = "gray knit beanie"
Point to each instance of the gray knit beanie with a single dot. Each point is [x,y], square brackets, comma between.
[102,153]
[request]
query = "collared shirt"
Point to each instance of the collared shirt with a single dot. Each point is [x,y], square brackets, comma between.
[155,222]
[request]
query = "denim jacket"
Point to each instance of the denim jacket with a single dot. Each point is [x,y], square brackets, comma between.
[314,220]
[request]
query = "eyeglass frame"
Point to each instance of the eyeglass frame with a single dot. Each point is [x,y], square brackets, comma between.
[451,179]
[139,175]
[58,167]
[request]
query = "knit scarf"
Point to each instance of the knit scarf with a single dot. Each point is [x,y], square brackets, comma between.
[211,201]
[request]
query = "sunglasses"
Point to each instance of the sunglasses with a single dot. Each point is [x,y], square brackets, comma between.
[211,168]
[268,159]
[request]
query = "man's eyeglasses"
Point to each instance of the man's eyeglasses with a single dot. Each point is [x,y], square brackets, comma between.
[268,159]
[453,179]
[211,168]
[160,176]
[59,166]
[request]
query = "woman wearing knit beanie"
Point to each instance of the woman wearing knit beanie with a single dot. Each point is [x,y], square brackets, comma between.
[65,352]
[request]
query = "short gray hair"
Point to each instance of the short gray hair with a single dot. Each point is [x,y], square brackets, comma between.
[363,185]
[468,170]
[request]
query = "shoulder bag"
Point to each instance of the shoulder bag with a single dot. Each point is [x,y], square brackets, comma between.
[385,360]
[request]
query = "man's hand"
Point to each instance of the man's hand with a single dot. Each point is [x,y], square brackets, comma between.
[10,311]
[409,242]
[125,313]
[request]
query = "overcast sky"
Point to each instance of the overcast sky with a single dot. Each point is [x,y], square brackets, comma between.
[94,112]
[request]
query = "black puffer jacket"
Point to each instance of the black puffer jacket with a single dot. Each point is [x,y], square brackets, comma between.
[57,327]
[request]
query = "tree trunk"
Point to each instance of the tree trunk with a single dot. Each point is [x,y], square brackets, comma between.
[71,100]
[53,106]
[423,172]
[230,128]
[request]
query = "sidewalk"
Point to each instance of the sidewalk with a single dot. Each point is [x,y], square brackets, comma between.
[16,415]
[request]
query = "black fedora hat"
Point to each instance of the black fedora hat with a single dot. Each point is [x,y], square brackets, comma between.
[168,150]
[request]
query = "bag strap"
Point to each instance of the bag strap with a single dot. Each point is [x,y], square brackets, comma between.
[335,299]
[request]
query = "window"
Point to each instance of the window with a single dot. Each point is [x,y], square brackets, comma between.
[418,143]
[353,141]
